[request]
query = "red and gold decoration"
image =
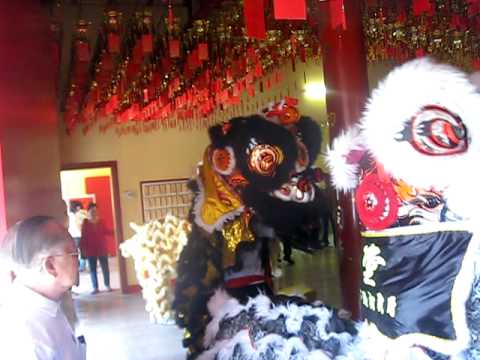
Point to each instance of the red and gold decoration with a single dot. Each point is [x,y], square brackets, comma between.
[445,29]
[184,78]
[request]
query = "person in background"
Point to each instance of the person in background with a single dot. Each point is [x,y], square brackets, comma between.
[76,216]
[43,266]
[93,245]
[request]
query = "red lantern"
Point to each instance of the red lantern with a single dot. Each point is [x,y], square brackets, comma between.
[82,51]
[254,13]
[290,9]
[113,40]
[147,43]
[203,51]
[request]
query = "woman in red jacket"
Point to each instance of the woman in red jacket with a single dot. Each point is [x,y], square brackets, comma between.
[94,247]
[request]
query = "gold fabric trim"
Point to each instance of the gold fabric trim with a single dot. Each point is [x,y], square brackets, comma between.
[234,232]
[218,199]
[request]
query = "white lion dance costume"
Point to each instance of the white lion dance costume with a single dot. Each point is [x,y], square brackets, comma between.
[411,163]
[155,248]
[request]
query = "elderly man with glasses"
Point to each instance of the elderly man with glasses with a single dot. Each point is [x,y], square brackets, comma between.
[44,261]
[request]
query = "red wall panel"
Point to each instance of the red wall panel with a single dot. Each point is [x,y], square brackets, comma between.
[28,113]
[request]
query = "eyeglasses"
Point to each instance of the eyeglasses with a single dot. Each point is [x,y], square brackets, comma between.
[73,253]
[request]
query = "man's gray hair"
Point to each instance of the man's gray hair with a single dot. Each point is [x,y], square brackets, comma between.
[29,238]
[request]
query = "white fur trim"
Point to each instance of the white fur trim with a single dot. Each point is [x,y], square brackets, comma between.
[220,305]
[218,301]
[318,355]
[263,305]
[284,348]
[223,350]
[344,175]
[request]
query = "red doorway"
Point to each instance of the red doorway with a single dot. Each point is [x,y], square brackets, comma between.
[105,191]
[100,186]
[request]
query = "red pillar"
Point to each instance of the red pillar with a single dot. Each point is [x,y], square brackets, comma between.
[345,74]
[3,210]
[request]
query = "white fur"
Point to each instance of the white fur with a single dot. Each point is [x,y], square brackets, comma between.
[217,302]
[318,355]
[263,305]
[223,349]
[397,99]
[344,175]
[370,344]
[220,305]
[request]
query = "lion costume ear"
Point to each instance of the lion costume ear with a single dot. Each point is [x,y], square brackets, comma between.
[217,134]
[311,136]
[344,158]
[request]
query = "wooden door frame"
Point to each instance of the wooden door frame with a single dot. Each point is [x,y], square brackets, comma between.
[117,214]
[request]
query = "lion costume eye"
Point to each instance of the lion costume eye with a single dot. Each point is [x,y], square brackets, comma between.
[264,159]
[437,131]
[223,160]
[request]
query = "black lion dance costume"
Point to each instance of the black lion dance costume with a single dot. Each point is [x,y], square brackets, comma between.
[412,166]
[256,182]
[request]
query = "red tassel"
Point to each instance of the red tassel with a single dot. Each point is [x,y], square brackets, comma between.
[290,9]
[82,51]
[106,62]
[171,18]
[402,16]
[203,51]
[278,78]
[419,53]
[251,54]
[166,63]
[147,43]
[254,13]
[268,84]
[113,43]
[337,15]
[258,70]
[303,54]
[145,95]
[236,90]
[195,59]
[229,75]
[473,7]
[174,48]
[137,53]
[422,6]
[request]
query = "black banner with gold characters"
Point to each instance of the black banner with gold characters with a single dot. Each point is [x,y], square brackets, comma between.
[408,282]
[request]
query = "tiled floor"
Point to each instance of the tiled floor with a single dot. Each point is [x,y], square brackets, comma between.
[116,326]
